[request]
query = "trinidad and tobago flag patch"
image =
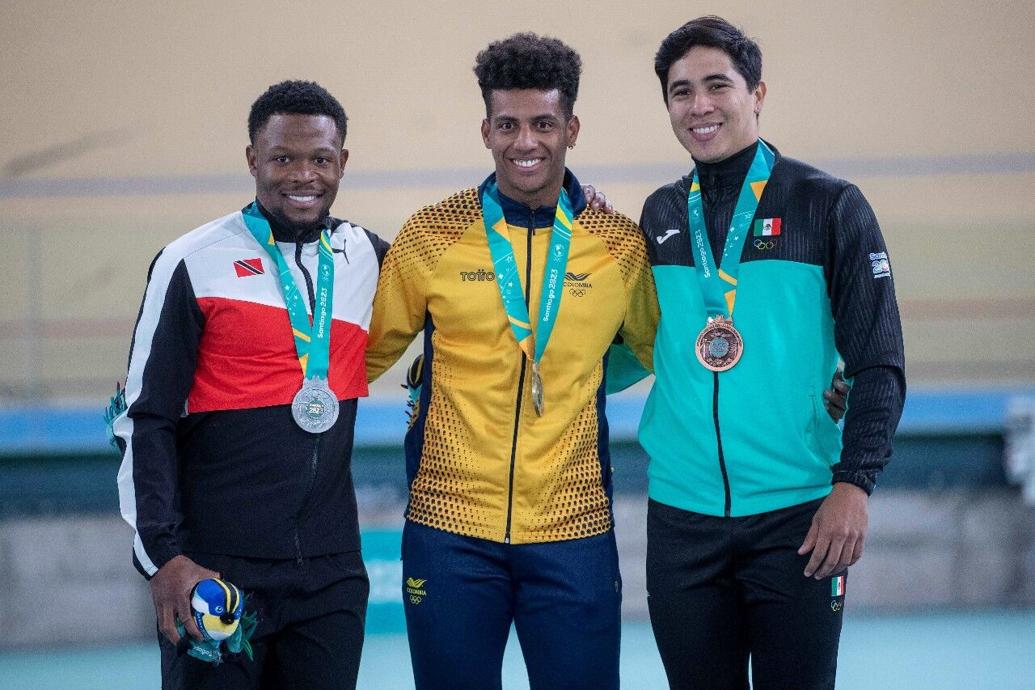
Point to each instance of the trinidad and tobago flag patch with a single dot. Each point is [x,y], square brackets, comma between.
[248,267]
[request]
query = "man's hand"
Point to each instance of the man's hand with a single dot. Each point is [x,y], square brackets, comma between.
[170,591]
[597,201]
[837,532]
[836,398]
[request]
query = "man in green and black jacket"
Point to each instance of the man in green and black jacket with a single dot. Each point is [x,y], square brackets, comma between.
[768,273]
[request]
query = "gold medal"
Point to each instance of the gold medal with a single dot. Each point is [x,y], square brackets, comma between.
[537,389]
[719,346]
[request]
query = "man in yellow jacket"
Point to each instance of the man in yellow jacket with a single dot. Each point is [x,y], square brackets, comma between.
[519,289]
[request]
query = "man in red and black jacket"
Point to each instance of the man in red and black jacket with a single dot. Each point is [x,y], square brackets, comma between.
[217,478]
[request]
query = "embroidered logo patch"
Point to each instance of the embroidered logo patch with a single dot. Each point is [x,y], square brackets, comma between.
[478,276]
[879,265]
[248,267]
[415,590]
[577,283]
[768,227]
[668,233]
[837,593]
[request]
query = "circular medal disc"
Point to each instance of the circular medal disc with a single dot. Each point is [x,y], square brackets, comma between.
[719,346]
[315,407]
[537,390]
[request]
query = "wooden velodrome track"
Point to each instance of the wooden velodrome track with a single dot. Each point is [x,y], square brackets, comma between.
[124,126]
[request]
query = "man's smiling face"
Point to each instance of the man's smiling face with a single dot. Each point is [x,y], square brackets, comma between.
[528,132]
[297,162]
[713,112]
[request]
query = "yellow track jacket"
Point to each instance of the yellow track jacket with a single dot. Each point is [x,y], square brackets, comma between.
[480,462]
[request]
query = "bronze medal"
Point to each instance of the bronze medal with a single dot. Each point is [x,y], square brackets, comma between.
[719,346]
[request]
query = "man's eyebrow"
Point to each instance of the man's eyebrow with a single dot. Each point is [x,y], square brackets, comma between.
[283,148]
[711,78]
[679,84]
[718,77]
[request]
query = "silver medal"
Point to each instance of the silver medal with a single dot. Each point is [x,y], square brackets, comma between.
[315,407]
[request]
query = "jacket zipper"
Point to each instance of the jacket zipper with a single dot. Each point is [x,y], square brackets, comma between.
[307,276]
[521,386]
[314,459]
[718,440]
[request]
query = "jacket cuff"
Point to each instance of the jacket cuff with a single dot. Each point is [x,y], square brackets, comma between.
[159,556]
[865,480]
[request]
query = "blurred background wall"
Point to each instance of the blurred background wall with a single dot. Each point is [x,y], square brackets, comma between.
[124,126]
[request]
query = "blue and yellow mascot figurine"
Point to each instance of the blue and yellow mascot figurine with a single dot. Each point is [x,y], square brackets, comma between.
[219,611]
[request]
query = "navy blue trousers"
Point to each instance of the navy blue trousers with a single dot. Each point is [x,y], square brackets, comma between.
[462,594]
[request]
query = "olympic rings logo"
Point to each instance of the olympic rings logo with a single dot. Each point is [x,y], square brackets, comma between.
[763,245]
[577,292]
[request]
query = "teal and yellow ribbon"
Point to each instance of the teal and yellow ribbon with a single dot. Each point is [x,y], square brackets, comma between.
[532,341]
[312,337]
[719,284]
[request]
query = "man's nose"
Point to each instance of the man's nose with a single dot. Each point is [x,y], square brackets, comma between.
[303,171]
[526,138]
[702,104]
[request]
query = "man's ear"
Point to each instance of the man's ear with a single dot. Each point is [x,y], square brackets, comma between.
[485,133]
[249,155]
[573,125]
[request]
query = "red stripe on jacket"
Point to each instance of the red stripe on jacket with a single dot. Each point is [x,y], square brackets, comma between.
[248,360]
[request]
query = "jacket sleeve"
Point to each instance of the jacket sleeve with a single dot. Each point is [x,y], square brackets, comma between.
[868,334]
[400,303]
[380,246]
[162,359]
[631,358]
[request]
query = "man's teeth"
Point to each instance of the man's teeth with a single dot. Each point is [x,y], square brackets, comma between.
[527,163]
[295,197]
[708,129]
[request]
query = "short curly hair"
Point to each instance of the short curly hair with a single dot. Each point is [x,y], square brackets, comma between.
[712,32]
[295,97]
[529,61]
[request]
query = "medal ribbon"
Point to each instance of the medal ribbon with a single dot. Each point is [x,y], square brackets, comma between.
[719,285]
[312,337]
[533,344]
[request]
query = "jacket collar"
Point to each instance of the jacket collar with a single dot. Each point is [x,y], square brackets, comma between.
[519,215]
[729,172]
[282,233]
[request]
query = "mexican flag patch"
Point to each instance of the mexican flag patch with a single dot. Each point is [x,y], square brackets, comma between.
[767,227]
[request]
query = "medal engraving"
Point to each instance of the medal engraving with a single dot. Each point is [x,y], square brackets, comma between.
[720,345]
[537,390]
[315,407]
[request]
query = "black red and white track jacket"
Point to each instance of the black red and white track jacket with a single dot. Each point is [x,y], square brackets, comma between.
[212,460]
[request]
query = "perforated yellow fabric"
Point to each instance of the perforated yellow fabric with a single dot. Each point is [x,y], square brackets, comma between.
[484,464]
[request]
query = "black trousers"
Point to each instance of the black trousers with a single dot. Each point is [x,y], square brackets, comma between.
[723,591]
[309,633]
